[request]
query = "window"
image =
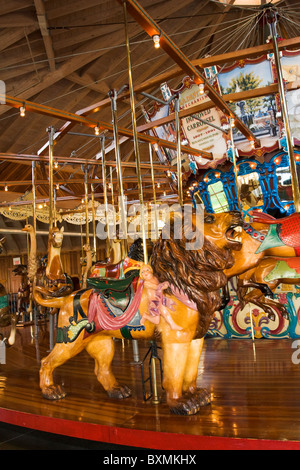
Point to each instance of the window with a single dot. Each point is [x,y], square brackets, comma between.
[218,197]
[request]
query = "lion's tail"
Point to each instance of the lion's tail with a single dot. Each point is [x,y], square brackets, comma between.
[39,294]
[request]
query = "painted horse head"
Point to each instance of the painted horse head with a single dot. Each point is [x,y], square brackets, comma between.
[56,236]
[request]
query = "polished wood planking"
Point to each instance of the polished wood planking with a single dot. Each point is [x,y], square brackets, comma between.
[255,390]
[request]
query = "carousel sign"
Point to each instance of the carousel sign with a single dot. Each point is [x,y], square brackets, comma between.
[198,128]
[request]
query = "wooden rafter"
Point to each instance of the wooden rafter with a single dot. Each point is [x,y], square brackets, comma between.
[43,24]
[66,116]
[152,28]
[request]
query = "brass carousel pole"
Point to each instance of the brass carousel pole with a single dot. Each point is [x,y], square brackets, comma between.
[293,168]
[135,137]
[235,165]
[104,184]
[86,203]
[155,399]
[154,193]
[179,164]
[54,207]
[33,197]
[94,224]
[112,194]
[51,135]
[123,218]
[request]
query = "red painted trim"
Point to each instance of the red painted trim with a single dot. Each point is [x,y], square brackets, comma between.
[137,437]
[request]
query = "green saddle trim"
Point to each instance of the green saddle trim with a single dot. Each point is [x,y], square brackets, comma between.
[282,271]
[118,285]
[272,239]
[68,334]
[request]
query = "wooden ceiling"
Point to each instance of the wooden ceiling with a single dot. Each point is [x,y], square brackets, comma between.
[69,55]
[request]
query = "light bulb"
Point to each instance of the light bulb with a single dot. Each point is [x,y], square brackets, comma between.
[5,188]
[232,122]
[201,88]
[156,40]
[97,130]
[22,111]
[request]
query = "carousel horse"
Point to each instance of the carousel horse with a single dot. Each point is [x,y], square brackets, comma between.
[181,288]
[24,289]
[272,272]
[269,256]
[33,262]
[88,264]
[6,318]
[58,281]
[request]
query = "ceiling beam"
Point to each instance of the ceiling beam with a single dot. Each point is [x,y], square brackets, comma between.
[43,24]
[66,116]
[176,71]
[166,43]
[25,158]
[126,179]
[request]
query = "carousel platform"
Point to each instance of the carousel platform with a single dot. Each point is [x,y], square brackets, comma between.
[255,390]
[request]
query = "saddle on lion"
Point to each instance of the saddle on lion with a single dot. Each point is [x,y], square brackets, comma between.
[114,305]
[282,232]
[114,271]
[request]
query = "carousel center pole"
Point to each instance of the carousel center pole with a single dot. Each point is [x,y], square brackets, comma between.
[135,136]
[272,18]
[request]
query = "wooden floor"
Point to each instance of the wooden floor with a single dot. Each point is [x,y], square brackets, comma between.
[255,389]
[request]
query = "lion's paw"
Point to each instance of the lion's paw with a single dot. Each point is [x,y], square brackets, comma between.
[119,392]
[190,403]
[185,406]
[202,396]
[54,392]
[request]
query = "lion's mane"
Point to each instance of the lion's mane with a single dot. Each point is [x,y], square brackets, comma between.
[199,274]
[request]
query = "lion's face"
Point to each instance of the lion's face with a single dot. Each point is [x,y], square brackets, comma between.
[224,229]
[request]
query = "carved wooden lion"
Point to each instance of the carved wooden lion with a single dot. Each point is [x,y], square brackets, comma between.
[174,299]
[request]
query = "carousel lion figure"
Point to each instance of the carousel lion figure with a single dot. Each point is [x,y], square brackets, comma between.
[172,300]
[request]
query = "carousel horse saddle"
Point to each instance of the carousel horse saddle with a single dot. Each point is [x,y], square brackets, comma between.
[107,270]
[114,271]
[282,232]
[117,292]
